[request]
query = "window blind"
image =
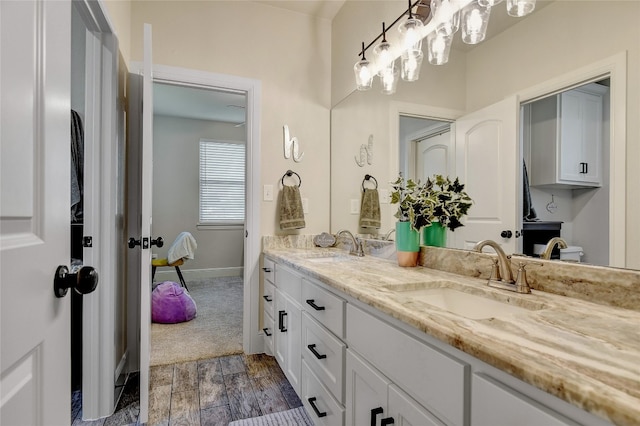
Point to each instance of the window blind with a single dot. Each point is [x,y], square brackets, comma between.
[222,187]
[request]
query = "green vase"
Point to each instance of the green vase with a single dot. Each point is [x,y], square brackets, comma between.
[407,239]
[407,244]
[434,235]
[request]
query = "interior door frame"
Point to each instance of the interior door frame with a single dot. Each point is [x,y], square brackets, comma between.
[615,68]
[101,169]
[252,341]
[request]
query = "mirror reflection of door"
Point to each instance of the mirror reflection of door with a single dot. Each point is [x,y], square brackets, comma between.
[426,148]
[566,152]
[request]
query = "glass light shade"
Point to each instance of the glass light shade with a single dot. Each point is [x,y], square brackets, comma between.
[438,47]
[384,59]
[364,76]
[475,20]
[447,20]
[520,8]
[411,62]
[489,3]
[389,79]
[410,30]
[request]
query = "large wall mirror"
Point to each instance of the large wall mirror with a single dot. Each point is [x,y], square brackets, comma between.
[421,132]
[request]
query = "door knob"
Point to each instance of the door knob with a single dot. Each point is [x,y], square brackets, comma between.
[133,242]
[157,242]
[84,281]
[506,234]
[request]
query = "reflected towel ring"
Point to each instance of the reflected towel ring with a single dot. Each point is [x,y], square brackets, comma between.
[290,173]
[368,177]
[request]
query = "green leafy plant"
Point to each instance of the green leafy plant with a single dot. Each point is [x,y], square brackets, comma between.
[438,200]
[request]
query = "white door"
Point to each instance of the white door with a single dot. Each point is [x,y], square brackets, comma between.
[34,211]
[488,162]
[146,192]
[434,156]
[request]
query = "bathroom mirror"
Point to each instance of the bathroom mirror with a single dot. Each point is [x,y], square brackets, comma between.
[509,63]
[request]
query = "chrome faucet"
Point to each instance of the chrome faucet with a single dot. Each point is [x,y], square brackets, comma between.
[388,234]
[546,254]
[356,246]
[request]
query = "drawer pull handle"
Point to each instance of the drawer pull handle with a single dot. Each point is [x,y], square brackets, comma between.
[312,401]
[281,315]
[267,298]
[387,421]
[312,348]
[374,414]
[266,332]
[311,302]
[266,269]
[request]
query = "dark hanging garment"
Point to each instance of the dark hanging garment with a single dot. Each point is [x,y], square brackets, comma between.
[77,167]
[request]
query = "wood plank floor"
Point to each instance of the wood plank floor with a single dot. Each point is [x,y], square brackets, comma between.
[205,393]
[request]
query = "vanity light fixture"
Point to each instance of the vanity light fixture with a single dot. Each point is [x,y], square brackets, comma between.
[364,75]
[519,8]
[443,21]
[383,56]
[475,19]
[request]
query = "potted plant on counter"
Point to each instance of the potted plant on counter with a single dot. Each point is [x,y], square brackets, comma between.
[444,203]
[406,193]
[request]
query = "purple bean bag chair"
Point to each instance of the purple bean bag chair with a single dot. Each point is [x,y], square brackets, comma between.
[170,303]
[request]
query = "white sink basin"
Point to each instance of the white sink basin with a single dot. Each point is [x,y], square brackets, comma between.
[445,296]
[328,259]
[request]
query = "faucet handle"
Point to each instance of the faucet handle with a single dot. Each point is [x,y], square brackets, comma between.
[495,271]
[522,286]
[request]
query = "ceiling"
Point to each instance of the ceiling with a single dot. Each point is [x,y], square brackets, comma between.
[230,107]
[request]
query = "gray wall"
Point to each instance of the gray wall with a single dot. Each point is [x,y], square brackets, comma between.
[175,191]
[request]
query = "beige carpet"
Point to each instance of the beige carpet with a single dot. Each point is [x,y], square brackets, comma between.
[215,331]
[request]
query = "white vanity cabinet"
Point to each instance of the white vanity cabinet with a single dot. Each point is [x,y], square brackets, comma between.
[434,381]
[288,324]
[268,304]
[566,134]
[352,364]
[372,399]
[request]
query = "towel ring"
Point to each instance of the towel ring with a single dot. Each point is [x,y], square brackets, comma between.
[290,173]
[368,177]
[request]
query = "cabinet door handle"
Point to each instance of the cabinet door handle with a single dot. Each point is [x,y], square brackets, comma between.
[312,348]
[584,168]
[311,302]
[387,421]
[281,315]
[374,414]
[266,332]
[267,298]
[266,269]
[312,402]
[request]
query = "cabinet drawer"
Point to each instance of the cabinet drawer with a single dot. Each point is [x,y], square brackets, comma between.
[433,379]
[324,354]
[289,282]
[494,403]
[325,307]
[317,400]
[268,297]
[269,331]
[269,270]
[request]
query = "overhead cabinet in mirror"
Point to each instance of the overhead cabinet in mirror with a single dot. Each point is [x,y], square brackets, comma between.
[566,133]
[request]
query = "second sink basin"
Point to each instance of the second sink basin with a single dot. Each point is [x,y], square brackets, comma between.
[450,297]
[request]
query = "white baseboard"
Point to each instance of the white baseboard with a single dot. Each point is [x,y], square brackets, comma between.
[169,274]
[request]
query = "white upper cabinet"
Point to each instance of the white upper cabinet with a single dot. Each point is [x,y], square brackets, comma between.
[566,134]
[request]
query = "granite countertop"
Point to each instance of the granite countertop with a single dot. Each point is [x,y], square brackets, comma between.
[584,353]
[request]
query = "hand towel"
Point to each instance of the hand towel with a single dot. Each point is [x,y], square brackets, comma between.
[370,209]
[291,211]
[183,247]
